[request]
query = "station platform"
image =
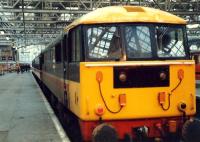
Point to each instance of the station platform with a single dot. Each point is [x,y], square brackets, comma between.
[25,115]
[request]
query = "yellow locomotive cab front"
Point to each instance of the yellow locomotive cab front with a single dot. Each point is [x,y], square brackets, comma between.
[141,102]
[135,76]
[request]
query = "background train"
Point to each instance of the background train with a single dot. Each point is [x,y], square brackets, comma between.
[121,72]
[196,56]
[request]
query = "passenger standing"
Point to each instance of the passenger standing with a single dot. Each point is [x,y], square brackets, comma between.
[17,68]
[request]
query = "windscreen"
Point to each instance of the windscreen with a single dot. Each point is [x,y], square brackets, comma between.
[170,41]
[136,42]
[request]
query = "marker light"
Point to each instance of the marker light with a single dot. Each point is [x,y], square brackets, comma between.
[122,99]
[99,76]
[161,97]
[99,110]
[180,74]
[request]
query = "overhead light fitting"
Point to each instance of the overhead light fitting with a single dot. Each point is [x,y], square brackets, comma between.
[193,26]
[2,32]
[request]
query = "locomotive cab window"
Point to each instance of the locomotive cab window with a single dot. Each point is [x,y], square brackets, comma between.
[170,41]
[138,42]
[103,42]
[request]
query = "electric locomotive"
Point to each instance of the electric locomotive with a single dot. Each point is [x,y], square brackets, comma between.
[122,72]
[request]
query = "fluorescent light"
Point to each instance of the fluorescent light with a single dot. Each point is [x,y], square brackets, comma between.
[192,26]
[2,32]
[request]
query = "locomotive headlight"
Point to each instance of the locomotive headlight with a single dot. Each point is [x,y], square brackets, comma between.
[122,77]
[163,75]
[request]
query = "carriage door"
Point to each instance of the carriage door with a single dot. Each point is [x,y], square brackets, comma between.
[65,59]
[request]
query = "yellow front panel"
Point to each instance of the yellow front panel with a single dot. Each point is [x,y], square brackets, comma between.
[141,102]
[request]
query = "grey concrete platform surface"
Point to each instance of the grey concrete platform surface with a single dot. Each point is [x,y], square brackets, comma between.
[24,116]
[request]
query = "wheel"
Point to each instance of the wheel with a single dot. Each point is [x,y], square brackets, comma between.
[191,131]
[128,138]
[104,133]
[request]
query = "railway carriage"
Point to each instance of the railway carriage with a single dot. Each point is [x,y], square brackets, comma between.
[123,70]
[196,57]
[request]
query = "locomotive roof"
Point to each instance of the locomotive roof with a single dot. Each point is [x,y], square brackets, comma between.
[124,14]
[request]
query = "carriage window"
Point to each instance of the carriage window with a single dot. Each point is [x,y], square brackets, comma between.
[73,42]
[58,52]
[65,45]
[52,54]
[138,42]
[104,42]
[170,42]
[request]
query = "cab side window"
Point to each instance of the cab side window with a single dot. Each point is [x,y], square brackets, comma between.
[75,45]
[78,44]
